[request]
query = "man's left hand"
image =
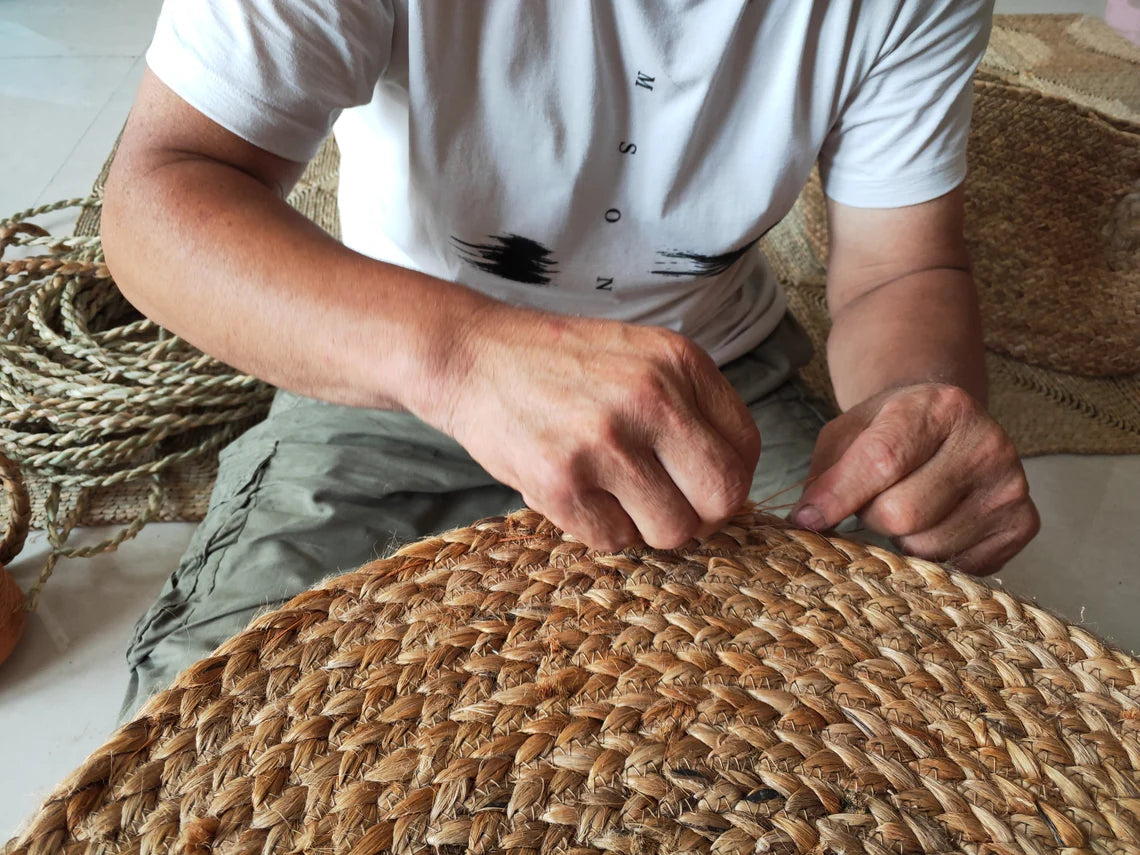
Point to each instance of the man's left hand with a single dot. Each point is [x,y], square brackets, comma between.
[927,466]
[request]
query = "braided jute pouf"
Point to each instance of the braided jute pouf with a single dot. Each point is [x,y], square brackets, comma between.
[501,688]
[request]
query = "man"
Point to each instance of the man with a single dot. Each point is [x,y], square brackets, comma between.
[549,214]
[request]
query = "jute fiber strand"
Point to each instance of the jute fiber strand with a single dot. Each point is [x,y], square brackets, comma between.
[106,416]
[500,688]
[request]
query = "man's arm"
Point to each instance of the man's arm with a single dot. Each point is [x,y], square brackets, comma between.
[903,303]
[199,238]
[617,432]
[915,452]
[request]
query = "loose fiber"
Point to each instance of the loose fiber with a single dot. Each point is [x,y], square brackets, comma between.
[502,689]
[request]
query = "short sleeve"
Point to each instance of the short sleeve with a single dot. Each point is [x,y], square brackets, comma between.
[277,73]
[900,139]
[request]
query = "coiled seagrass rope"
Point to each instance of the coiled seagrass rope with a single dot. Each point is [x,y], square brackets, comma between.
[94,395]
[500,689]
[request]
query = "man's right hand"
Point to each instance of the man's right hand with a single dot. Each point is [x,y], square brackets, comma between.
[618,433]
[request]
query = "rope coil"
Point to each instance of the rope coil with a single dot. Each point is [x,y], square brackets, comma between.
[92,394]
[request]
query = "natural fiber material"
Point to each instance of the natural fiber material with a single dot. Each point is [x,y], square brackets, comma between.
[1075,57]
[502,689]
[94,395]
[108,417]
[186,483]
[1053,223]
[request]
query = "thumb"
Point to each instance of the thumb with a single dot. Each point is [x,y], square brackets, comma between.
[872,461]
[833,440]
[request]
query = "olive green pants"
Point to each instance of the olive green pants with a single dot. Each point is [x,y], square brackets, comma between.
[318,489]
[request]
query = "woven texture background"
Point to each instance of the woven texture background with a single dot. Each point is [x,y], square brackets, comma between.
[502,689]
[1053,224]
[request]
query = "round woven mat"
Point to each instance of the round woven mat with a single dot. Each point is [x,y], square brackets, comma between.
[500,688]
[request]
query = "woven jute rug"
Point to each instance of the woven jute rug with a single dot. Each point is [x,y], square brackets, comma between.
[502,689]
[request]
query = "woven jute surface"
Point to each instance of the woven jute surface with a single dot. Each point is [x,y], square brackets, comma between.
[1053,224]
[1075,57]
[501,688]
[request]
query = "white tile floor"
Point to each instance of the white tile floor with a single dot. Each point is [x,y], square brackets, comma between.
[68,70]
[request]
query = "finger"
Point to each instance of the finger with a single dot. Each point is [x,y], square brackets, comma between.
[706,470]
[891,447]
[919,501]
[721,407]
[654,502]
[992,553]
[976,532]
[595,517]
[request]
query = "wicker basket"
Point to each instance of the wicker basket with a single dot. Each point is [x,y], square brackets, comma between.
[502,689]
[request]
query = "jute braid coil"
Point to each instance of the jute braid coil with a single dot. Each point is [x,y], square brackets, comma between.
[92,394]
[503,689]
[105,416]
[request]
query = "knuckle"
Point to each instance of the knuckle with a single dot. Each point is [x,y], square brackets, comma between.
[726,497]
[884,456]
[1019,488]
[1013,491]
[673,418]
[557,487]
[898,517]
[997,449]
[676,348]
[1030,524]
[751,443]
[894,409]
[952,402]
[649,392]
[604,433]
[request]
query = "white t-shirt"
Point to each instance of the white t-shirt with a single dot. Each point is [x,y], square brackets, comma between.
[616,158]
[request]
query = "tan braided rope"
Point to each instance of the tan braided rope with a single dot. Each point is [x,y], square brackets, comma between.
[92,394]
[502,689]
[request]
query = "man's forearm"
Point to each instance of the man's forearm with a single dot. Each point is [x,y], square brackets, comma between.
[218,258]
[920,328]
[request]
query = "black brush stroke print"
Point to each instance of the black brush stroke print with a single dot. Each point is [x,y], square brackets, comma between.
[683,263]
[510,256]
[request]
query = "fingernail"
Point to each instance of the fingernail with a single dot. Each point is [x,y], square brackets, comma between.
[808,517]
